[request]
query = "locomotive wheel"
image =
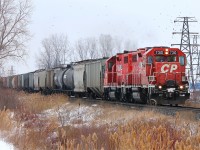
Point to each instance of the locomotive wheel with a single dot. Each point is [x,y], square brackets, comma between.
[153,102]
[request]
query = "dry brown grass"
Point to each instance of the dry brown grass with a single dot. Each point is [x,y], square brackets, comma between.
[115,127]
[194,100]
[35,135]
[8,99]
[36,103]
[192,104]
[152,135]
[6,120]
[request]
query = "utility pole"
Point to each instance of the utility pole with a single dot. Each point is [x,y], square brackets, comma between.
[190,49]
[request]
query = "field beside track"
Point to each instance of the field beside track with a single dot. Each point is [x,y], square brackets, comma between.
[34,121]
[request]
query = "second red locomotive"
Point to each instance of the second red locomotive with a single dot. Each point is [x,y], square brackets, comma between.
[154,75]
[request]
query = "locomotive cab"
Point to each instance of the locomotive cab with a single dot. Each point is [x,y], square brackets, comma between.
[165,68]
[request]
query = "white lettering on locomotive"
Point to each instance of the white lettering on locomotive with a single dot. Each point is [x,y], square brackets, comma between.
[166,68]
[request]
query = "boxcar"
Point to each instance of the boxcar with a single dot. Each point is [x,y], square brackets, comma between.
[50,84]
[19,78]
[4,82]
[9,82]
[15,82]
[79,78]
[42,79]
[1,82]
[58,78]
[31,82]
[94,77]
[68,79]
[36,80]
[25,81]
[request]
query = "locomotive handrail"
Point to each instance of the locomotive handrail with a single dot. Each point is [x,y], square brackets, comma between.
[134,81]
[134,78]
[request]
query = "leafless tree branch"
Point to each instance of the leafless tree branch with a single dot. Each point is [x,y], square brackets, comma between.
[55,51]
[14,33]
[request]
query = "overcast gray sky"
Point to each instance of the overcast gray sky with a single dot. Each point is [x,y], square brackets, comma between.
[148,22]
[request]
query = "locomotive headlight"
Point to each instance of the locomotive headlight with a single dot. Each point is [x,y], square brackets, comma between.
[166,51]
[181,87]
[160,87]
[186,86]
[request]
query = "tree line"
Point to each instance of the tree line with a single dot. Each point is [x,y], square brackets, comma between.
[15,16]
[58,50]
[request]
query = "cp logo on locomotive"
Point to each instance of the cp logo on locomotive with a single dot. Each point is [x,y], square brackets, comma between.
[168,68]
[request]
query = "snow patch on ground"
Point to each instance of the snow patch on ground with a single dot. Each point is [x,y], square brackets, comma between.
[74,114]
[5,146]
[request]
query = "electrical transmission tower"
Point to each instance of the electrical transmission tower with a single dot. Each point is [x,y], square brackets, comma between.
[190,49]
[196,58]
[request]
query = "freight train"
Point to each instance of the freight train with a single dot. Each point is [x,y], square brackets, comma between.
[151,75]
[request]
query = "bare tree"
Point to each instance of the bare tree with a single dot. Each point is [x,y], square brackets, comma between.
[46,59]
[130,45]
[92,45]
[81,47]
[106,45]
[55,50]
[117,44]
[14,20]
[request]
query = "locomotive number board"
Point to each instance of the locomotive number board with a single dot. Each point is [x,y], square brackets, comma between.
[162,52]
[159,52]
[173,52]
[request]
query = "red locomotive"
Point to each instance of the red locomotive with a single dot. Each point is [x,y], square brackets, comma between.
[153,75]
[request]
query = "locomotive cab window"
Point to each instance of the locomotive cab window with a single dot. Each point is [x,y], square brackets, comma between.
[171,58]
[160,58]
[110,64]
[126,59]
[165,58]
[182,60]
[134,58]
[150,60]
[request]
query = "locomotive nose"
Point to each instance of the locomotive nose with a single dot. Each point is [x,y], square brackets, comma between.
[170,83]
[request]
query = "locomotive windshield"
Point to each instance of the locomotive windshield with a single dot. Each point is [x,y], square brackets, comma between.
[165,58]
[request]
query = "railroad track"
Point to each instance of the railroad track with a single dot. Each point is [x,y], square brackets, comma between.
[164,109]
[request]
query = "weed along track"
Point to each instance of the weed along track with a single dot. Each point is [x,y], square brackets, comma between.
[59,122]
